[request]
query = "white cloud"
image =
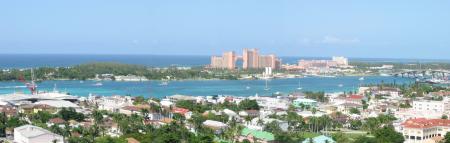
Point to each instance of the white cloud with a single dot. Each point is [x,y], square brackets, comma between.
[336,40]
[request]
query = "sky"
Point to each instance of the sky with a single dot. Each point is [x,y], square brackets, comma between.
[313,28]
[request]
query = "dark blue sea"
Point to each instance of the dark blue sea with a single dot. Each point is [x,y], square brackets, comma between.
[64,60]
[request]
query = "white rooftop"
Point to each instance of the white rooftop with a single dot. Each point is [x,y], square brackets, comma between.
[58,103]
[31,131]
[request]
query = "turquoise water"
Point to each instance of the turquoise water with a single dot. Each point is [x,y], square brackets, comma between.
[204,87]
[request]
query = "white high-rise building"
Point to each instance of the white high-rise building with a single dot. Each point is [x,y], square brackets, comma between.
[341,61]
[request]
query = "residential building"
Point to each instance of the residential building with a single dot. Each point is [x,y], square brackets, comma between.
[423,130]
[8,110]
[441,107]
[33,134]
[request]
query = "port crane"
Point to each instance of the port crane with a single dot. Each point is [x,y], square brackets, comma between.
[30,85]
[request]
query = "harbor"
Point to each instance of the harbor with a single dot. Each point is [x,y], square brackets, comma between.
[161,89]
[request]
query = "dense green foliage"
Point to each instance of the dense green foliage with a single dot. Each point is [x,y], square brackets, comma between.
[70,114]
[247,104]
[89,71]
[318,96]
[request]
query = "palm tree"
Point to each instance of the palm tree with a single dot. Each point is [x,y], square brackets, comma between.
[145,113]
[260,122]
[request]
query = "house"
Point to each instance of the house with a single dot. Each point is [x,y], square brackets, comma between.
[58,104]
[217,126]
[320,139]
[33,134]
[390,91]
[251,113]
[355,99]
[34,108]
[259,123]
[8,110]
[55,121]
[440,93]
[261,136]
[410,113]
[111,103]
[346,107]
[423,130]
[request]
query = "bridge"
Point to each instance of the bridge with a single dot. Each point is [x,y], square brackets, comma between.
[422,73]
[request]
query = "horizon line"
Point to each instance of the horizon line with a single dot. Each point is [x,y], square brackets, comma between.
[288,56]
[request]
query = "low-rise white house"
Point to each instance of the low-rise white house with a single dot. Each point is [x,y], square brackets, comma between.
[33,134]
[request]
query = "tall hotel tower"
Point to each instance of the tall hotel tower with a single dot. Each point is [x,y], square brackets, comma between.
[250,58]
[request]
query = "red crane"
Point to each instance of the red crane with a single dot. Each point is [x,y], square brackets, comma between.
[30,85]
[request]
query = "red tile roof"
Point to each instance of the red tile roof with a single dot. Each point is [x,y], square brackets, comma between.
[181,111]
[425,123]
[56,121]
[355,97]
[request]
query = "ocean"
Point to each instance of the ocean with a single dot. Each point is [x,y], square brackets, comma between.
[64,60]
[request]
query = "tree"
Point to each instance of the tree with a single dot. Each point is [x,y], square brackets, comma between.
[355,111]
[355,124]
[3,120]
[273,127]
[340,137]
[364,139]
[387,134]
[444,117]
[447,137]
[284,138]
[70,114]
[108,139]
[139,100]
[248,104]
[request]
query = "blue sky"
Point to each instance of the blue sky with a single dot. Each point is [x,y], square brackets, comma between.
[316,28]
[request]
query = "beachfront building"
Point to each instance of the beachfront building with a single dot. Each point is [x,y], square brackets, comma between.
[318,64]
[304,102]
[250,60]
[33,134]
[423,130]
[341,61]
[226,61]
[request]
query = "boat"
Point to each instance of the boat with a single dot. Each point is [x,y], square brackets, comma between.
[267,87]
[164,83]
[247,87]
[340,85]
[361,78]
[81,81]
[299,87]
[384,74]
[98,84]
